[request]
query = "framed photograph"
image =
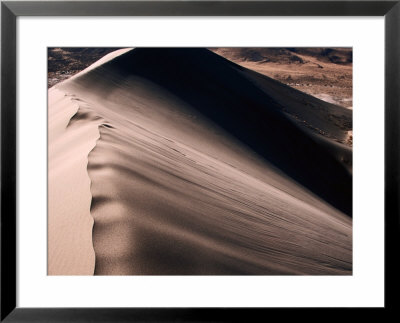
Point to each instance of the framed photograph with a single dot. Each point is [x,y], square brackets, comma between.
[198,160]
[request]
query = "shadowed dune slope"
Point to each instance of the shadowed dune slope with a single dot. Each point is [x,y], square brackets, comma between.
[199,170]
[217,90]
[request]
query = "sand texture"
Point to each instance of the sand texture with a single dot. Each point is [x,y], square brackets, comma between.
[180,162]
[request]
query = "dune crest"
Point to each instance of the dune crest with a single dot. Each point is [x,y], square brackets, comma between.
[198,170]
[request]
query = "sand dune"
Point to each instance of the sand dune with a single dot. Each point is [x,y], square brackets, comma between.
[191,164]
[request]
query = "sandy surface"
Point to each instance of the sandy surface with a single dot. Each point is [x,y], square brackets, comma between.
[70,248]
[194,168]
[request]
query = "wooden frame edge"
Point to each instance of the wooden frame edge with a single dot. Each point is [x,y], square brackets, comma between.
[11,10]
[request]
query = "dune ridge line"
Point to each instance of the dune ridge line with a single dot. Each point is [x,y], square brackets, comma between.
[85,113]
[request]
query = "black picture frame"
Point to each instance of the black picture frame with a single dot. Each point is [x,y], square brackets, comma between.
[10,10]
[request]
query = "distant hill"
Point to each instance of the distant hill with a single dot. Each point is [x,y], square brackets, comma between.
[326,73]
[288,55]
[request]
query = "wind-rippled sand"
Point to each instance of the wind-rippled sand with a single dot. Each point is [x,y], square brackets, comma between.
[177,161]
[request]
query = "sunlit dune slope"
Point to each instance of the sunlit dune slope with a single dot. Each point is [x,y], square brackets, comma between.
[201,168]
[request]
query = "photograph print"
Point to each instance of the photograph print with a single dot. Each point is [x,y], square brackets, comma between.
[200,161]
